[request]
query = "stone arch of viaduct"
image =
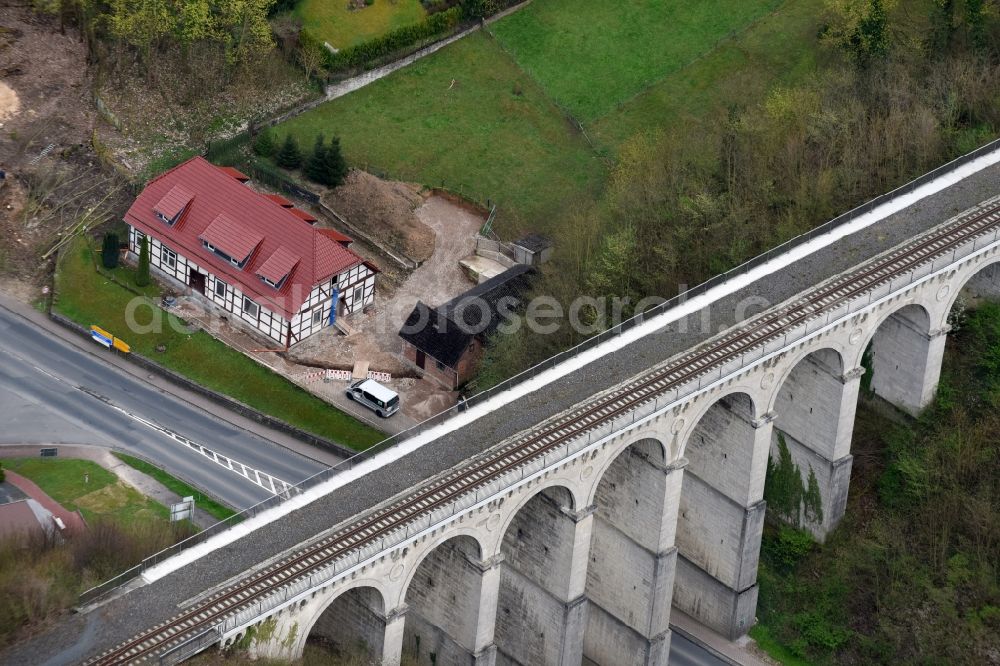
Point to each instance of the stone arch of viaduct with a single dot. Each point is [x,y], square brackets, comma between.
[587,557]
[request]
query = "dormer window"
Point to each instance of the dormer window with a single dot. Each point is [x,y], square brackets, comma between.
[278,266]
[170,208]
[230,242]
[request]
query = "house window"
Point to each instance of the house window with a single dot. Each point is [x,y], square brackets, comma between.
[138,239]
[220,288]
[250,308]
[359,296]
[276,285]
[439,365]
[317,317]
[169,258]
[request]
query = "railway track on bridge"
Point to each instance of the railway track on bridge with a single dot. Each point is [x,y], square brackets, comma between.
[712,355]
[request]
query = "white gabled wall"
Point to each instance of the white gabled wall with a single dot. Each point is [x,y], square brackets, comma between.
[355,288]
[268,322]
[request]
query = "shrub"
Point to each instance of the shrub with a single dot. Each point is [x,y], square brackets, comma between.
[142,273]
[366,53]
[787,548]
[3,473]
[109,250]
[289,157]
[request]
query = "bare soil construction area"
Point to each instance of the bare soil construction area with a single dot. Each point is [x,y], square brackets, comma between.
[387,211]
[53,179]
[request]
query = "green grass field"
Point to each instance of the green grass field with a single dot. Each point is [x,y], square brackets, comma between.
[466,118]
[85,485]
[88,298]
[213,508]
[331,21]
[591,55]
[621,69]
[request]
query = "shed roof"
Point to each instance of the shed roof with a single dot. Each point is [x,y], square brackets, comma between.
[534,242]
[445,332]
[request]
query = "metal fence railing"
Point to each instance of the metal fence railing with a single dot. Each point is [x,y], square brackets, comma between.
[677,393]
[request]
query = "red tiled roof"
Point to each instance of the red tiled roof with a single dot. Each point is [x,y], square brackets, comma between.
[278,265]
[280,200]
[173,202]
[336,236]
[235,173]
[250,216]
[233,239]
[301,214]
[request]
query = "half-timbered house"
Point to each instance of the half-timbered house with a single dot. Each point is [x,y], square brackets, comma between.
[255,256]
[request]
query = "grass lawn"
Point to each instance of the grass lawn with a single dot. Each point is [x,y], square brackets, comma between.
[88,298]
[100,495]
[469,119]
[620,68]
[779,48]
[207,504]
[331,21]
[591,55]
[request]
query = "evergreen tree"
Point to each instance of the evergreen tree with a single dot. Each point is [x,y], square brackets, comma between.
[109,250]
[142,273]
[871,41]
[977,25]
[335,166]
[813,502]
[289,157]
[783,484]
[263,145]
[942,27]
[316,163]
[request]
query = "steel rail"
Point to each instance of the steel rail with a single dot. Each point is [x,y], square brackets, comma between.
[500,461]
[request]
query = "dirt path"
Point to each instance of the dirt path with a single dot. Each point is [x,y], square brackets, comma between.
[436,281]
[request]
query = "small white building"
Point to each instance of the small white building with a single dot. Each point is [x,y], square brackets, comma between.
[251,254]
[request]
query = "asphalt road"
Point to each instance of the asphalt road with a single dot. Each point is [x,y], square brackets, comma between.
[684,652]
[52,392]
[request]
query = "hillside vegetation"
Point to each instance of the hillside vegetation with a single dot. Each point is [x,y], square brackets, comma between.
[911,575]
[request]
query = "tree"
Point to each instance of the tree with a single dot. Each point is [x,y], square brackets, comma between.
[942,27]
[783,484]
[109,250]
[335,166]
[289,157]
[861,27]
[976,22]
[142,273]
[263,145]
[326,164]
[811,499]
[316,162]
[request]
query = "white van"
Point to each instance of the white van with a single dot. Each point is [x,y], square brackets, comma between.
[381,400]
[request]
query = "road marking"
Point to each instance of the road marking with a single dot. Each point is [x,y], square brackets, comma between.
[268,482]
[255,476]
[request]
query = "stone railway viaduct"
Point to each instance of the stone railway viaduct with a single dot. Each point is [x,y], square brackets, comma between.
[581,559]
[579,554]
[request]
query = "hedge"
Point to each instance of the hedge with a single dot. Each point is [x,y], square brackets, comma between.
[366,53]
